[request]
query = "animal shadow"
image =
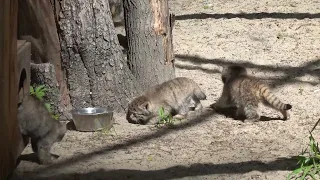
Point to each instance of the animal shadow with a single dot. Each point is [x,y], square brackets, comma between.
[265,118]
[32,157]
[231,112]
[71,126]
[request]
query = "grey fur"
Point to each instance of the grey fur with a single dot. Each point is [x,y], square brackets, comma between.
[177,96]
[245,93]
[36,122]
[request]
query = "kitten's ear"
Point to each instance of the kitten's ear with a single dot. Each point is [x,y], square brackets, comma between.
[145,105]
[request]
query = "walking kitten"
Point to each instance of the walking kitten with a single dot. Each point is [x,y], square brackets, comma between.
[177,96]
[37,123]
[245,93]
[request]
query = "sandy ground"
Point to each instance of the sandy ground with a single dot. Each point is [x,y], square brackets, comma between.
[280,45]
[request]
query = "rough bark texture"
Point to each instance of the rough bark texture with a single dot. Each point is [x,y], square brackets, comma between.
[150,52]
[116,9]
[45,74]
[37,25]
[96,72]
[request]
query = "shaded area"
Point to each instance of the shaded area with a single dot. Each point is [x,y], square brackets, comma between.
[198,119]
[32,157]
[182,171]
[261,15]
[123,41]
[197,169]
[310,68]
[230,112]
[71,126]
[188,67]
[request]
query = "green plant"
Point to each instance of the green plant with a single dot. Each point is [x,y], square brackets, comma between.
[55,116]
[39,92]
[165,119]
[308,160]
[108,132]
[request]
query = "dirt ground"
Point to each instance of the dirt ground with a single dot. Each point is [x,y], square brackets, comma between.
[281,45]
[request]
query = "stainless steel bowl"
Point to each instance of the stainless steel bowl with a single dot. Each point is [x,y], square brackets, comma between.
[92,119]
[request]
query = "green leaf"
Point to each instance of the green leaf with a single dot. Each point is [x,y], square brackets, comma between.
[39,97]
[161,112]
[48,107]
[295,172]
[306,161]
[40,87]
[306,171]
[31,90]
[56,116]
[312,174]
[44,90]
[41,94]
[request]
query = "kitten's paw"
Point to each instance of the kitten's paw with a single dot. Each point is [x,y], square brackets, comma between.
[180,116]
[251,120]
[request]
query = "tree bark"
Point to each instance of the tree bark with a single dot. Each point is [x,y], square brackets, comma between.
[37,25]
[44,73]
[116,9]
[149,34]
[96,72]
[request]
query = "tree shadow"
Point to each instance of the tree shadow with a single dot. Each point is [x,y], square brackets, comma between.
[260,15]
[197,169]
[310,68]
[188,67]
[198,119]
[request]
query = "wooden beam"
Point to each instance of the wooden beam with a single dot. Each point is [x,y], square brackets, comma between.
[10,136]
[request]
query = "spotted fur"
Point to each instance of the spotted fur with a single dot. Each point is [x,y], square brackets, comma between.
[177,96]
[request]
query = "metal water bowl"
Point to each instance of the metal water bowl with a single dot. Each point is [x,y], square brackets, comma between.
[92,119]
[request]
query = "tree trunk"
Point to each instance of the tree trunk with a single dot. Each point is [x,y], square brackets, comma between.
[116,9]
[37,25]
[149,34]
[96,72]
[45,73]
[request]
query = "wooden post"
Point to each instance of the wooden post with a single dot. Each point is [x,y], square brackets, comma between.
[10,136]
